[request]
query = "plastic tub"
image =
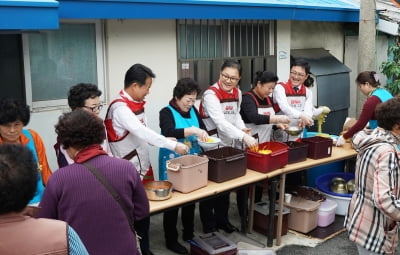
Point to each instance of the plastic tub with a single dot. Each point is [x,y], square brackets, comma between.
[318,147]
[303,215]
[213,243]
[342,200]
[188,173]
[261,218]
[313,173]
[226,163]
[265,163]
[326,213]
[297,151]
[256,252]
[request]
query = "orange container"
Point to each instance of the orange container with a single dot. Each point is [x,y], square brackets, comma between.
[265,163]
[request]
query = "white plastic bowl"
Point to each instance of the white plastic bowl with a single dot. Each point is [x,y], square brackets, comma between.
[209,145]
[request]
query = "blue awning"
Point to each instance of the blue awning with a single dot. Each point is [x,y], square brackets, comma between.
[28,14]
[312,10]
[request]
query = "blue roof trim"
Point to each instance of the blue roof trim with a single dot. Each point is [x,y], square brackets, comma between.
[29,15]
[313,10]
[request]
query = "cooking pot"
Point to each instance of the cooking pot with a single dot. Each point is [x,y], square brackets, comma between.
[338,185]
[350,185]
[158,190]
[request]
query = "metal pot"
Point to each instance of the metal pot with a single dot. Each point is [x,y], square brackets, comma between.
[350,185]
[294,131]
[158,190]
[338,185]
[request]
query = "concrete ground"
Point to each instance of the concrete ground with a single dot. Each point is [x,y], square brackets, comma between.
[291,243]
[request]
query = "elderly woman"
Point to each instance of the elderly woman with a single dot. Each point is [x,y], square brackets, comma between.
[14,116]
[73,193]
[21,234]
[180,119]
[374,209]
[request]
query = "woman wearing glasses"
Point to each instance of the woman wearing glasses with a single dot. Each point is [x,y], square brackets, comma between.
[294,98]
[83,96]
[220,111]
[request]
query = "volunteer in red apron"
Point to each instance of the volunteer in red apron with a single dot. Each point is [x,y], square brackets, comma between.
[258,114]
[293,98]
[256,108]
[129,137]
[220,111]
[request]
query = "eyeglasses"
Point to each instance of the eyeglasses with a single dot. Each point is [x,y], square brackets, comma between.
[297,74]
[94,108]
[226,77]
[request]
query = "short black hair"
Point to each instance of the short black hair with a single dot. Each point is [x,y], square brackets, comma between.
[309,82]
[79,129]
[232,64]
[388,113]
[12,110]
[264,77]
[18,177]
[78,93]
[138,73]
[186,86]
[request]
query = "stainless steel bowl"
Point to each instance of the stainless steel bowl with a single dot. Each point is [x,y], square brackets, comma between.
[294,131]
[350,185]
[158,190]
[338,185]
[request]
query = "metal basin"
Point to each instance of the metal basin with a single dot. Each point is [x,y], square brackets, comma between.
[294,131]
[158,190]
[338,185]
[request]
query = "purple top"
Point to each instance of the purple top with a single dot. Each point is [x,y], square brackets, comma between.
[73,194]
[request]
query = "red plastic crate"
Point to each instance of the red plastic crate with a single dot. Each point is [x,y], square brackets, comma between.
[267,163]
[318,147]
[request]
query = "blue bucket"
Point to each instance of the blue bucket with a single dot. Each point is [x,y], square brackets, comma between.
[323,183]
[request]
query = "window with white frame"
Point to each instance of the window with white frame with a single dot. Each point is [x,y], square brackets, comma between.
[56,60]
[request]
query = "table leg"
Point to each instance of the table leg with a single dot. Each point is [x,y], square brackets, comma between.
[251,208]
[243,220]
[272,199]
[280,209]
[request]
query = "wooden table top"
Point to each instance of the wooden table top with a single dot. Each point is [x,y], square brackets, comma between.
[213,188]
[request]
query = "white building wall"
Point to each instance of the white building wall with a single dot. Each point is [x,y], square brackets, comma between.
[327,35]
[153,43]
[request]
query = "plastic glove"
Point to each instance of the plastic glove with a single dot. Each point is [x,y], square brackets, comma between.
[340,141]
[326,109]
[181,148]
[250,141]
[200,133]
[306,120]
[280,119]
